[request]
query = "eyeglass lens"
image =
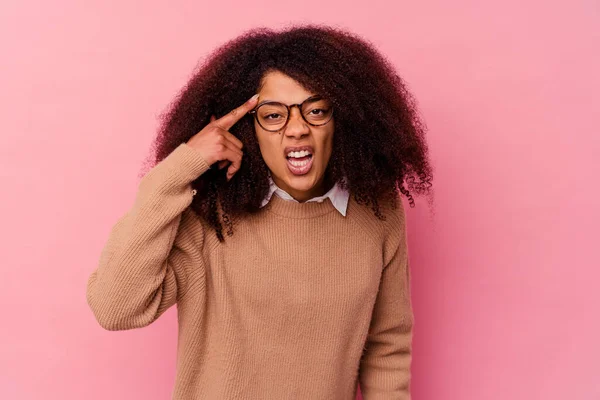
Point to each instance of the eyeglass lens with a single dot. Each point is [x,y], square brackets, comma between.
[273,115]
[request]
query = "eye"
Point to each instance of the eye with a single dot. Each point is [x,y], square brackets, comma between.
[271,115]
[318,109]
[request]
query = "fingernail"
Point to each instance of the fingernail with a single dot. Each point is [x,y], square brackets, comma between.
[254,97]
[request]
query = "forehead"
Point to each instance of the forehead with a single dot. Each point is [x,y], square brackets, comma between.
[277,86]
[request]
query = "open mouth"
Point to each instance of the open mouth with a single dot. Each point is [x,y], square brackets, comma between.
[299,163]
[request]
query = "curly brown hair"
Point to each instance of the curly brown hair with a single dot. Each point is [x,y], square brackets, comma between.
[379,141]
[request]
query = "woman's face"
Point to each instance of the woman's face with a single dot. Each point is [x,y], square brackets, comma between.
[291,175]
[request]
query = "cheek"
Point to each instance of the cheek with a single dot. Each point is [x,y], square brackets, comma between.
[270,155]
[271,152]
[328,147]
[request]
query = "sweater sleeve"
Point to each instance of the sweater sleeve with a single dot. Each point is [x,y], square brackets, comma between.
[140,274]
[384,372]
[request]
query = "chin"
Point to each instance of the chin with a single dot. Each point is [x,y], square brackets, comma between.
[301,183]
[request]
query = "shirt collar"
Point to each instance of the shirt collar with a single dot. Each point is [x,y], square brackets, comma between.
[339,197]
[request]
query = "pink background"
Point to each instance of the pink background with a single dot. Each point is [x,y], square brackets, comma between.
[505,274]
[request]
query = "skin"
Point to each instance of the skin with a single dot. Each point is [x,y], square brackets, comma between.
[276,86]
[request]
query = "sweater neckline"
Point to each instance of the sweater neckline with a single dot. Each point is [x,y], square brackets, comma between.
[292,209]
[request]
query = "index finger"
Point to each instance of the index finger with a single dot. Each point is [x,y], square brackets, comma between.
[229,119]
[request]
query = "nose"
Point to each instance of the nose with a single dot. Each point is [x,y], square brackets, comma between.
[296,125]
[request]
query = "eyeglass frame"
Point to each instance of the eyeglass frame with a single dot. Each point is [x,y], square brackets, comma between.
[289,112]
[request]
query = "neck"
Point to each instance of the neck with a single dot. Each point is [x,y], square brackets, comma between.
[301,196]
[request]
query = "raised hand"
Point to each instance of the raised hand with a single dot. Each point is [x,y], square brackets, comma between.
[216,144]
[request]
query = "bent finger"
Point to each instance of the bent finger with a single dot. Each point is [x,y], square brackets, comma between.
[223,163]
[232,147]
[231,137]
[233,168]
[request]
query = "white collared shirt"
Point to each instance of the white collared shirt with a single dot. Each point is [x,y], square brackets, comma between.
[338,196]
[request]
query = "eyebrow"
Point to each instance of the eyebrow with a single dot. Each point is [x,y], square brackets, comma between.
[314,97]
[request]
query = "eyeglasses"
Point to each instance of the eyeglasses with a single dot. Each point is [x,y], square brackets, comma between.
[273,116]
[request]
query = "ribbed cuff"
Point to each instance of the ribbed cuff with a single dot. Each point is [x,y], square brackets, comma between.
[181,167]
[189,160]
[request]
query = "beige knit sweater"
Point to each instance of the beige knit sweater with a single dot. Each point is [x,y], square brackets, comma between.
[300,303]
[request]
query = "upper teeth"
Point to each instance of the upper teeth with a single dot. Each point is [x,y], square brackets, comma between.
[298,154]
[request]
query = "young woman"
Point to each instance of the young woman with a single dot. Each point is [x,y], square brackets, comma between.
[308,296]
